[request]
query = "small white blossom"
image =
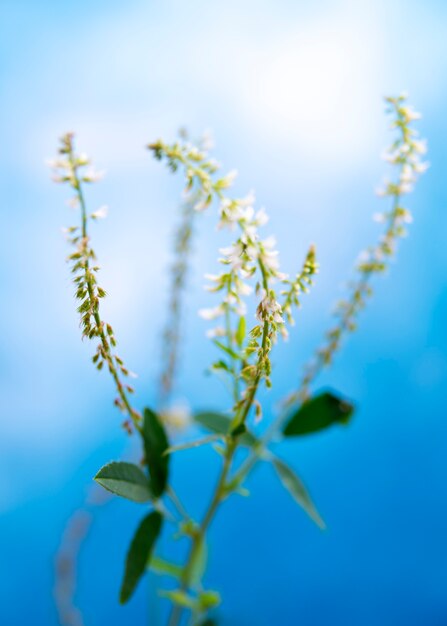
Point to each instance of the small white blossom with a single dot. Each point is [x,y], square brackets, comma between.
[101,213]
[379,217]
[213,313]
[177,417]
[93,176]
[269,307]
[233,255]
[73,202]
[229,178]
[419,146]
[219,331]
[261,217]
[410,114]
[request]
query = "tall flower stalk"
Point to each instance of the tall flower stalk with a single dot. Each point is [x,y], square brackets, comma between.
[71,168]
[405,155]
[255,306]
[179,273]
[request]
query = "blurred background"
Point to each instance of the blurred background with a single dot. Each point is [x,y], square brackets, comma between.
[293,93]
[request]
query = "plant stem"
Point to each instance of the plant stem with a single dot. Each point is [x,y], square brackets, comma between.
[90,288]
[217,498]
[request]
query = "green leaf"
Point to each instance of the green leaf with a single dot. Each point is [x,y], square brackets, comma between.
[297,489]
[227,350]
[163,567]
[209,599]
[318,413]
[215,422]
[240,332]
[155,446]
[139,553]
[194,444]
[221,365]
[221,424]
[198,566]
[126,480]
[180,598]
[240,429]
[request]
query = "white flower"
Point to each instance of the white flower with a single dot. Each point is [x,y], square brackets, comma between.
[211,314]
[73,202]
[404,187]
[83,159]
[101,213]
[270,260]
[407,174]
[201,205]
[379,217]
[215,332]
[249,199]
[261,217]
[242,288]
[233,255]
[421,167]
[247,213]
[93,176]
[227,180]
[177,417]
[269,307]
[410,114]
[419,146]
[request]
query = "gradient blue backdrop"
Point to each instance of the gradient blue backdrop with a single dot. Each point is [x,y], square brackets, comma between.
[293,93]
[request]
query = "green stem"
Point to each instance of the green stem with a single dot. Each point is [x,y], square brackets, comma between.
[218,496]
[99,325]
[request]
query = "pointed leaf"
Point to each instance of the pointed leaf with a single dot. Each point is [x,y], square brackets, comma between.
[240,332]
[161,566]
[180,598]
[194,444]
[155,446]
[139,553]
[215,422]
[126,480]
[318,413]
[297,489]
[209,599]
[221,424]
[226,349]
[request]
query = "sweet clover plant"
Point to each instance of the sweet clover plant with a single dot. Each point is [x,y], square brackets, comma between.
[244,337]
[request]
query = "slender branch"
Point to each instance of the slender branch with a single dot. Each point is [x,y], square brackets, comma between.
[87,290]
[404,153]
[217,497]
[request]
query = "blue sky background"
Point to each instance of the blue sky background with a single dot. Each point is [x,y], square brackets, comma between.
[293,93]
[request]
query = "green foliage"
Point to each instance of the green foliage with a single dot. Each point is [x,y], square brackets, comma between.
[319,413]
[179,597]
[196,443]
[209,599]
[198,563]
[297,489]
[249,265]
[139,553]
[164,568]
[221,424]
[126,480]
[155,447]
[241,332]
[204,600]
